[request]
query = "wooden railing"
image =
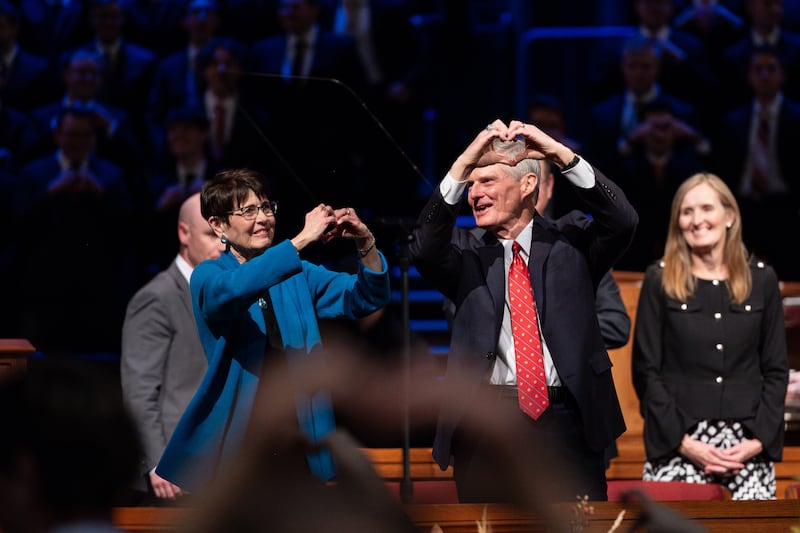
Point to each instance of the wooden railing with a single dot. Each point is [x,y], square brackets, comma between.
[630,461]
[777,516]
[14,355]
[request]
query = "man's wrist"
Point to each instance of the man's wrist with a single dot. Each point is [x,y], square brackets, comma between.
[571,164]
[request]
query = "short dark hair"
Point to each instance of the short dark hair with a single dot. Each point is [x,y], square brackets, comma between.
[76,109]
[190,114]
[229,189]
[207,5]
[70,57]
[235,47]
[546,101]
[765,49]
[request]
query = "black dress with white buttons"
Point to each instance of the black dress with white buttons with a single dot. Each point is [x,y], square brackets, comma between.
[714,370]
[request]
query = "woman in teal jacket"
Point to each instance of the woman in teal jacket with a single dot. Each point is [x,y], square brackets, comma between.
[257,301]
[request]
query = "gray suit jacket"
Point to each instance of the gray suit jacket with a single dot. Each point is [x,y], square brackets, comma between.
[162,359]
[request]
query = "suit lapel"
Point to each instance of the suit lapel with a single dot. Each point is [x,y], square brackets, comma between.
[183,286]
[491,257]
[539,252]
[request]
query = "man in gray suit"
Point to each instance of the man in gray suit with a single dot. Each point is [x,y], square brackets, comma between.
[162,358]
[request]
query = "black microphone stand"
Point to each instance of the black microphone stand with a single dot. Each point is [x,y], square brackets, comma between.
[406,486]
[401,230]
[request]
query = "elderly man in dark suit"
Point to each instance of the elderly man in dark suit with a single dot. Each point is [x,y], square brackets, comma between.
[566,258]
[162,359]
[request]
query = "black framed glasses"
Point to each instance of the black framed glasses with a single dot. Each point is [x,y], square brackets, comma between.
[250,212]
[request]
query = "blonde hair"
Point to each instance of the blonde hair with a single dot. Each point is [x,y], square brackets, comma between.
[677,279]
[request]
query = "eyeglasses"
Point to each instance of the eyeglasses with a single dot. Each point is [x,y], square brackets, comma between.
[250,212]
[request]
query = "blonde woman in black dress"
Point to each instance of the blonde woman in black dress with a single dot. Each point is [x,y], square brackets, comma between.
[709,351]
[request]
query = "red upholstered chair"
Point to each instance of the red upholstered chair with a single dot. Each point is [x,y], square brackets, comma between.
[667,490]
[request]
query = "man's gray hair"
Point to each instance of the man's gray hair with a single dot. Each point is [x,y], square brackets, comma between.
[524,167]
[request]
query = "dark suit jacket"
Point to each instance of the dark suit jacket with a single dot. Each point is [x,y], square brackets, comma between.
[48,28]
[127,82]
[162,359]
[156,254]
[335,56]
[26,72]
[607,126]
[685,78]
[18,137]
[653,201]
[737,58]
[734,138]
[170,89]
[677,368]
[121,147]
[86,294]
[568,257]
[396,44]
[246,147]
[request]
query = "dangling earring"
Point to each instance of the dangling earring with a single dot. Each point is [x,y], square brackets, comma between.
[224,240]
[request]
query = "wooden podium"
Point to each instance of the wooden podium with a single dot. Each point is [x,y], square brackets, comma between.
[14,355]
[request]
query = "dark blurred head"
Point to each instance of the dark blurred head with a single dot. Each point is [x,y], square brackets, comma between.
[107,20]
[547,113]
[298,16]
[765,73]
[187,130]
[75,132]
[219,62]
[9,25]
[201,21]
[654,14]
[660,119]
[81,74]
[188,115]
[640,63]
[69,446]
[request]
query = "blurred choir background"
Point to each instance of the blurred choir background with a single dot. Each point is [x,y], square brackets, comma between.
[114,111]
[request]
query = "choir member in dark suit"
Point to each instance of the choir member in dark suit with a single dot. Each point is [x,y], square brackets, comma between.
[765,28]
[74,208]
[614,118]
[116,138]
[127,68]
[176,79]
[760,164]
[664,152]
[181,174]
[24,69]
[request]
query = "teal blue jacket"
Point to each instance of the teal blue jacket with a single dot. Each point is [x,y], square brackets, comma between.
[225,299]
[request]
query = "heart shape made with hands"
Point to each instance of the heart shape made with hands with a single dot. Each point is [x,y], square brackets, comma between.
[510,149]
